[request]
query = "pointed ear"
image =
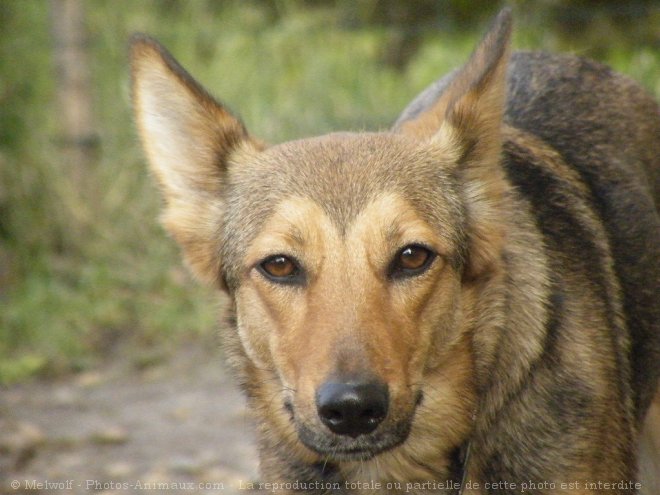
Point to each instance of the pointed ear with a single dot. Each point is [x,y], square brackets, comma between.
[465,122]
[468,112]
[188,138]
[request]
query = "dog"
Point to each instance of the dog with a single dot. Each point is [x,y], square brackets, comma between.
[468,302]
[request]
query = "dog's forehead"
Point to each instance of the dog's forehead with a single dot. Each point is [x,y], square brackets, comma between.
[343,172]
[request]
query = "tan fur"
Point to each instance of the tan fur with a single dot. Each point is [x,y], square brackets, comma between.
[505,342]
[279,326]
[386,339]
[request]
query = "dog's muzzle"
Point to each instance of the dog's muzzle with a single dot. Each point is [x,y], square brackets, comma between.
[353,420]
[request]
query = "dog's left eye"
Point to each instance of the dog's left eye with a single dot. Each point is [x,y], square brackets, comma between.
[411,260]
[280,268]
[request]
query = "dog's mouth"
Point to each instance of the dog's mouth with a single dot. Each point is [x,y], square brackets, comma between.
[361,448]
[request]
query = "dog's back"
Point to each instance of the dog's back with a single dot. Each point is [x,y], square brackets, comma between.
[587,111]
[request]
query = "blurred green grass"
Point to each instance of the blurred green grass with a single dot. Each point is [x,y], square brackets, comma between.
[87,271]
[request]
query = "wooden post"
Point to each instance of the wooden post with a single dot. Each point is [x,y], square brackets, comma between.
[78,135]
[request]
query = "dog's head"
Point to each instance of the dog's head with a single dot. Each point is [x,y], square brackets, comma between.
[351,259]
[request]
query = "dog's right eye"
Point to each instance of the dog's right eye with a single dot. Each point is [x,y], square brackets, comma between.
[281,269]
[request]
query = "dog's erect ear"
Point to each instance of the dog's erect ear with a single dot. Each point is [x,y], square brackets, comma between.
[469,110]
[466,122]
[188,138]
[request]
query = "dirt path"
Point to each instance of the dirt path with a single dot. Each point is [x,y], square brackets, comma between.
[178,427]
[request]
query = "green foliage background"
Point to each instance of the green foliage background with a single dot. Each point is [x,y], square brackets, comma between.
[86,272]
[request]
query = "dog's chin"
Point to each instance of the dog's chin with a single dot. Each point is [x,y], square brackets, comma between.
[347,449]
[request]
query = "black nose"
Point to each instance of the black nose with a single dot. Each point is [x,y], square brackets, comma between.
[352,409]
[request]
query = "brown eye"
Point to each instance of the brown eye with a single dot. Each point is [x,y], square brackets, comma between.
[280,268]
[413,257]
[411,260]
